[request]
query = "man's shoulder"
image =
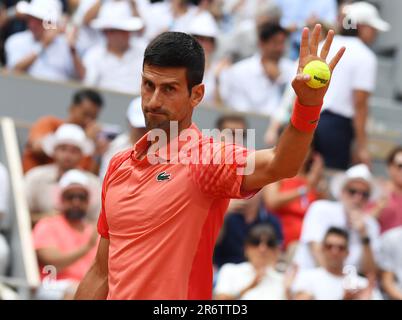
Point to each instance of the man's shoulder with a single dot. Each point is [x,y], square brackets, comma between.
[96,52]
[19,38]
[52,223]
[392,236]
[326,207]
[118,159]
[50,121]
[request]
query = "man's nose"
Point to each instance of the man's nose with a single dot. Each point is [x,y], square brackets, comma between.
[155,102]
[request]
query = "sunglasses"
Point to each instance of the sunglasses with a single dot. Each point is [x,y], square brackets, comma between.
[71,196]
[330,246]
[364,194]
[255,242]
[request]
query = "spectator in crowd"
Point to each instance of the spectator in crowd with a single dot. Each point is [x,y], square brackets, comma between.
[289,199]
[136,123]
[117,64]
[4,198]
[10,23]
[391,263]
[257,278]
[205,30]
[300,13]
[353,190]
[389,209]
[67,146]
[66,241]
[343,121]
[330,281]
[84,110]
[242,215]
[256,84]
[43,51]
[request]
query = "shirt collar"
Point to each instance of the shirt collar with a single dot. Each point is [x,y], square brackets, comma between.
[166,152]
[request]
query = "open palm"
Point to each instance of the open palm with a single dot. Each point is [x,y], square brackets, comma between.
[308,52]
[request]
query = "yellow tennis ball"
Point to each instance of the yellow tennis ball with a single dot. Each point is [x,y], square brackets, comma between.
[319,73]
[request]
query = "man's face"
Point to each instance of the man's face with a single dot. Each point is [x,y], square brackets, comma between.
[117,38]
[395,170]
[262,252]
[335,251]
[275,47]
[67,156]
[165,97]
[75,201]
[356,194]
[84,113]
[36,27]
[367,34]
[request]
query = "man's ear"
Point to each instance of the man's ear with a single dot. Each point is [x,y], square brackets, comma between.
[197,93]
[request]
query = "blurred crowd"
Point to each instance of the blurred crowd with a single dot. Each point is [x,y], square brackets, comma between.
[331,232]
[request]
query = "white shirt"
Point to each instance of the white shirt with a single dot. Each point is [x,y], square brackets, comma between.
[233,278]
[323,285]
[54,63]
[106,70]
[391,253]
[120,143]
[245,86]
[43,193]
[4,192]
[322,215]
[357,70]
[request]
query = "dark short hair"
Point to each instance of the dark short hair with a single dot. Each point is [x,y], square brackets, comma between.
[269,29]
[392,154]
[87,94]
[230,117]
[177,49]
[262,230]
[337,231]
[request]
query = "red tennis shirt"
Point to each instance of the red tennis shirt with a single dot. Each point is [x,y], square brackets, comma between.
[162,220]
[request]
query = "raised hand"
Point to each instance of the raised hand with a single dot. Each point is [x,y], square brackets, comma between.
[308,52]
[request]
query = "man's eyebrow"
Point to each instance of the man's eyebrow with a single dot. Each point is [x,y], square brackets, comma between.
[168,82]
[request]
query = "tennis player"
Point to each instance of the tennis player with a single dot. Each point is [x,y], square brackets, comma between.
[159,220]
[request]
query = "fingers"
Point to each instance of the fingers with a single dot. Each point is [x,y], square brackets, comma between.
[327,45]
[336,59]
[315,39]
[304,46]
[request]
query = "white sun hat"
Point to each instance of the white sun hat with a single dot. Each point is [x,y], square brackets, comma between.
[72,178]
[50,10]
[204,25]
[360,172]
[70,134]
[135,115]
[117,15]
[365,13]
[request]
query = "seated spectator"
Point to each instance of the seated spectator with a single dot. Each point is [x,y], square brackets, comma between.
[289,199]
[43,50]
[67,146]
[84,110]
[66,241]
[390,209]
[330,282]
[391,263]
[4,198]
[136,123]
[353,190]
[116,65]
[257,278]
[257,84]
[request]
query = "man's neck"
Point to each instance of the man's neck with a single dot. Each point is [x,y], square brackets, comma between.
[118,51]
[78,225]
[337,271]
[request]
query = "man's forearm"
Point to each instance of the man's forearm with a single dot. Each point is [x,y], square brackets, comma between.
[24,65]
[359,124]
[368,264]
[94,286]
[389,285]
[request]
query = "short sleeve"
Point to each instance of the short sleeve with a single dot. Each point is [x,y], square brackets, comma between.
[44,126]
[386,261]
[365,74]
[220,171]
[115,162]
[44,234]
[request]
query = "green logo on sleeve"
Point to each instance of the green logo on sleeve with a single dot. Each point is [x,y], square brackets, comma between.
[163,176]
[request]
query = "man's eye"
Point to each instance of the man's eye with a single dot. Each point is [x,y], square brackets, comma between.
[148,84]
[169,88]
